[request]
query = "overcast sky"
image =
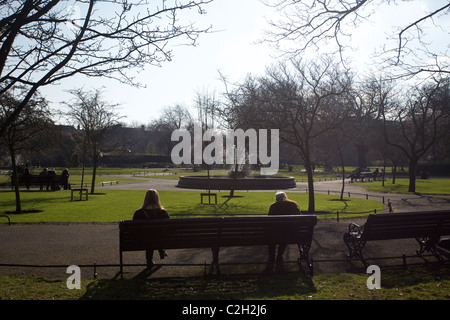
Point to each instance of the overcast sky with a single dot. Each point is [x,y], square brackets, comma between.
[232,49]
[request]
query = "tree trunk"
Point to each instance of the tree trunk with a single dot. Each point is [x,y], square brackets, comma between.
[82,168]
[343,182]
[342,166]
[412,174]
[94,172]
[15,181]
[361,154]
[394,173]
[234,181]
[309,172]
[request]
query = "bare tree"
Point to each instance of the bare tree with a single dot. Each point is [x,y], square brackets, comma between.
[207,106]
[96,117]
[176,117]
[43,42]
[21,134]
[369,98]
[171,118]
[329,25]
[303,100]
[418,123]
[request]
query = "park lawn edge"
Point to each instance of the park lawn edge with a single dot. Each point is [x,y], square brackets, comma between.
[116,205]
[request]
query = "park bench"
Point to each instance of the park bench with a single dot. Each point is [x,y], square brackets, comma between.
[217,232]
[426,227]
[42,180]
[110,182]
[361,176]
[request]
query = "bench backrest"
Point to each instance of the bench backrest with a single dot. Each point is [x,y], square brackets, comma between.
[168,233]
[264,230]
[43,179]
[214,232]
[407,225]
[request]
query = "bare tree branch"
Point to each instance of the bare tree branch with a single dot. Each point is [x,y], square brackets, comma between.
[315,24]
[43,42]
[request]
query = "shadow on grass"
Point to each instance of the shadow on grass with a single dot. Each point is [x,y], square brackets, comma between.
[433,273]
[226,208]
[23,212]
[237,286]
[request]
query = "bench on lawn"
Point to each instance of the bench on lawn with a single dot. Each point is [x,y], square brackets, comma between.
[361,176]
[217,232]
[110,182]
[426,227]
[41,180]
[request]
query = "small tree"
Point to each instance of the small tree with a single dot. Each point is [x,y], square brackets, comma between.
[96,118]
[419,123]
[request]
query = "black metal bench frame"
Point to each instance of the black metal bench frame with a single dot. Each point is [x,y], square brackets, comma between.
[214,233]
[426,227]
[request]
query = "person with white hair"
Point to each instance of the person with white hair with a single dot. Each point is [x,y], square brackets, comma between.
[282,206]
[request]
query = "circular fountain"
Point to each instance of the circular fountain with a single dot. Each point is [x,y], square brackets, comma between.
[216,182]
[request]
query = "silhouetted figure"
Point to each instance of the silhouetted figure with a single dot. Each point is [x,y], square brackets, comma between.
[152,209]
[43,178]
[282,206]
[65,175]
[375,174]
[27,177]
[51,174]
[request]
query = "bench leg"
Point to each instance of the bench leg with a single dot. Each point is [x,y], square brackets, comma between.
[215,255]
[355,247]
[429,245]
[121,264]
[304,251]
[304,256]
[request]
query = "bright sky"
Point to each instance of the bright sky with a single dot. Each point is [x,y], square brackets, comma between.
[232,50]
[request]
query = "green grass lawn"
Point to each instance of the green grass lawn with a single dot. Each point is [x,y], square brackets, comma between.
[414,283]
[116,205]
[423,186]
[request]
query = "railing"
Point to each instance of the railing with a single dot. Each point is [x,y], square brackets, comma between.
[9,220]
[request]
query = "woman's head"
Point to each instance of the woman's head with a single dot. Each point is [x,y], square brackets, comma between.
[151,200]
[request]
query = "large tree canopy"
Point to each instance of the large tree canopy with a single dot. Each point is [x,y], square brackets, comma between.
[46,41]
[416,43]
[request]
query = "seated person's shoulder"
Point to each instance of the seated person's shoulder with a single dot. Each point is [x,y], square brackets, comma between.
[139,215]
[164,213]
[142,214]
[285,207]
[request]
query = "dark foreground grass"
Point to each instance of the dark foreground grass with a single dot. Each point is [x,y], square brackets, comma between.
[116,205]
[414,283]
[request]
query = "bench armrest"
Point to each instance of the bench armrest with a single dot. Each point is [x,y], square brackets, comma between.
[355,230]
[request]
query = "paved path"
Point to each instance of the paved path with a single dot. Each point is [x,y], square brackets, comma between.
[59,245]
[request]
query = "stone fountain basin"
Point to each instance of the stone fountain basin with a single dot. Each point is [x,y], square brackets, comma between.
[217,182]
